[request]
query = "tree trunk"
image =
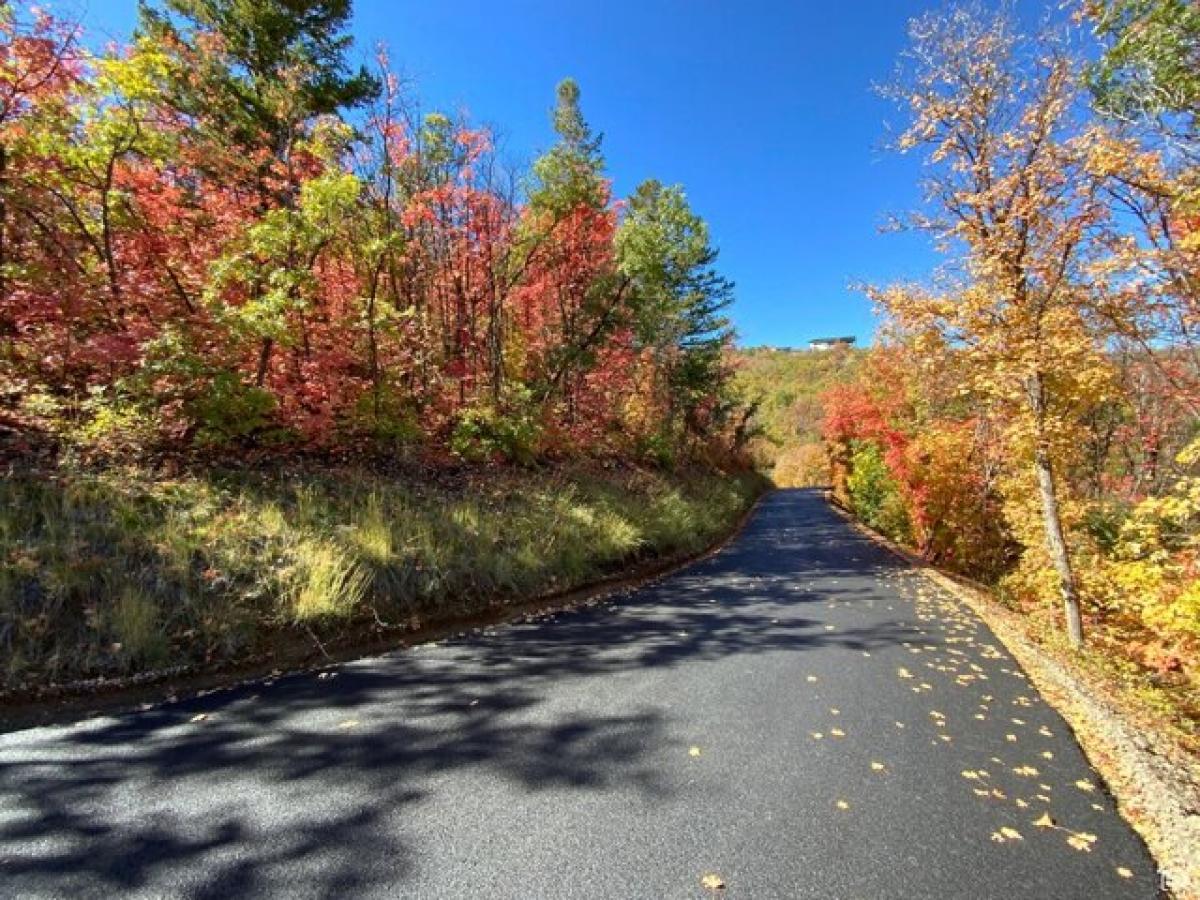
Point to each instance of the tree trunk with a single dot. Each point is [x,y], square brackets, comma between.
[1056,545]
[264,362]
[3,219]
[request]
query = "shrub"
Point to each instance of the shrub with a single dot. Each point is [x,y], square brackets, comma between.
[874,494]
[231,409]
[484,432]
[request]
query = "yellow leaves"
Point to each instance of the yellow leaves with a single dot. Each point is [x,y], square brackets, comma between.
[811,679]
[712,882]
[1011,738]
[1006,833]
[1085,785]
[1082,841]
[1078,840]
[693,752]
[878,766]
[842,805]
[1025,771]
[1124,872]
[816,735]
[970,774]
[904,673]
[837,732]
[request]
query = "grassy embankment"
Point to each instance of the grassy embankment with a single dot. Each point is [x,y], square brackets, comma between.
[118,571]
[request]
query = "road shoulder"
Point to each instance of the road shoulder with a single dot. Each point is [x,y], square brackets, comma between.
[1155,782]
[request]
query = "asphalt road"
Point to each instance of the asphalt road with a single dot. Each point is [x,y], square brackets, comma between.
[801,715]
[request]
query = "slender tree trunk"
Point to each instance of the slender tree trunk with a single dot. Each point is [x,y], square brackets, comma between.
[1058,548]
[1056,544]
[372,339]
[264,362]
[3,219]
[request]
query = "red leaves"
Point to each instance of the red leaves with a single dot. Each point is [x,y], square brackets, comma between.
[181,265]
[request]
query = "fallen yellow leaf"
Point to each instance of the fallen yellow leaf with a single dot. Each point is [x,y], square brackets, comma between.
[1081,840]
[1045,821]
[837,732]
[693,751]
[842,804]
[712,882]
[877,766]
[1085,785]
[1124,872]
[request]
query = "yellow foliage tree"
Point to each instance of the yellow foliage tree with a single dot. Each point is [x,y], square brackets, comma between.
[1010,196]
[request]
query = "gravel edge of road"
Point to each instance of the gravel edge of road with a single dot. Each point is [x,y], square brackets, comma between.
[1154,794]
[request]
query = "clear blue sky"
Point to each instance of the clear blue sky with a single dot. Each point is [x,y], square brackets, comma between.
[762,110]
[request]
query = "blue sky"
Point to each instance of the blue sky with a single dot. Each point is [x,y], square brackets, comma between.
[762,110]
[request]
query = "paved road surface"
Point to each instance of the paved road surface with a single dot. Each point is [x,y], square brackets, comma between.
[858,736]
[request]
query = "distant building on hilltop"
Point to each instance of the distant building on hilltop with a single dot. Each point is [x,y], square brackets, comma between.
[828,343]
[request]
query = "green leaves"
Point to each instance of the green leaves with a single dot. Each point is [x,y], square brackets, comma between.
[1149,66]
[571,174]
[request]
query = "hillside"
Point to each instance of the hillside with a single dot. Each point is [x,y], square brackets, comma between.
[787,386]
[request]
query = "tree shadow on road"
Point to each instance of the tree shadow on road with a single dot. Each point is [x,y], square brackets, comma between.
[213,795]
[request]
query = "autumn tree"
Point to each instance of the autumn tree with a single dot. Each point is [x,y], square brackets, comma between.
[1147,153]
[252,77]
[574,299]
[222,235]
[1006,179]
[40,67]
[1150,68]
